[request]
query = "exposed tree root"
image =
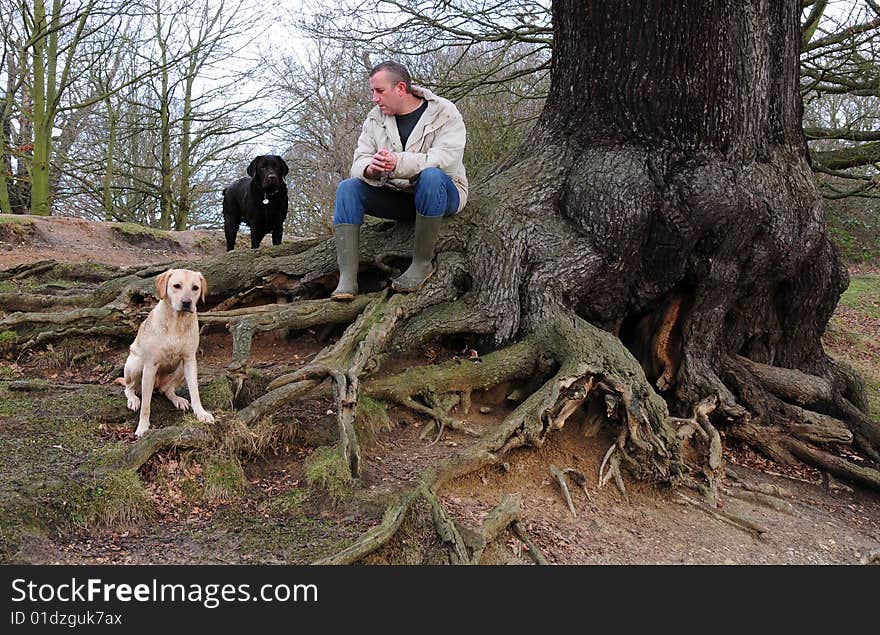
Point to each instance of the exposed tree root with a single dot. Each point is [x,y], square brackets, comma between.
[705,441]
[817,393]
[581,479]
[578,368]
[788,419]
[520,532]
[612,460]
[507,511]
[872,556]
[376,537]
[833,464]
[589,361]
[447,530]
[759,498]
[159,439]
[36,329]
[465,547]
[727,517]
[54,270]
[560,478]
[355,353]
[33,302]
[244,323]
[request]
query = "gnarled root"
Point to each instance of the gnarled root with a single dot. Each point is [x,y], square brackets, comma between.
[794,412]
[244,323]
[591,364]
[157,440]
[705,441]
[355,353]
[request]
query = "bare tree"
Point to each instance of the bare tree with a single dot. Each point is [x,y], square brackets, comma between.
[840,82]
[14,183]
[328,98]
[61,43]
[186,100]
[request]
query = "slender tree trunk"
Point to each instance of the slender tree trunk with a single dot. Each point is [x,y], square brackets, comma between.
[6,144]
[181,218]
[166,195]
[109,168]
[43,55]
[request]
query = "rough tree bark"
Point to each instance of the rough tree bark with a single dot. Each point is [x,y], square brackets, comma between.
[656,246]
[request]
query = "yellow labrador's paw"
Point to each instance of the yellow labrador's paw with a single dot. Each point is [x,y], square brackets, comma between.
[205,417]
[179,402]
[134,402]
[142,427]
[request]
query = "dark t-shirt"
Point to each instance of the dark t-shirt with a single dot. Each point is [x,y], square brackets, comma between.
[406,123]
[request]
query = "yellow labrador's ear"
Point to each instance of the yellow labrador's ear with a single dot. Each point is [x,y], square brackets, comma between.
[162,283]
[204,285]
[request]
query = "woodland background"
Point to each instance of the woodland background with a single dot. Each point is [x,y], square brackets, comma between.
[143,110]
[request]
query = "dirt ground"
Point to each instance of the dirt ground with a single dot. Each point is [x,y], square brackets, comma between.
[813,520]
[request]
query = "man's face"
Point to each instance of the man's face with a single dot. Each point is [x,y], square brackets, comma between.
[386,94]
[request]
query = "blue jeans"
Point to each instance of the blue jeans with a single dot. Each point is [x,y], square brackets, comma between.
[435,195]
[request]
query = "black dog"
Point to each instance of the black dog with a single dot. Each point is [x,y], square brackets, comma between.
[260,200]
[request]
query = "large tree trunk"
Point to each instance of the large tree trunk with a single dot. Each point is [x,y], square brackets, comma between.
[672,155]
[666,196]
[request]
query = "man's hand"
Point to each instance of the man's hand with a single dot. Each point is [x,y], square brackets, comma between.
[383,161]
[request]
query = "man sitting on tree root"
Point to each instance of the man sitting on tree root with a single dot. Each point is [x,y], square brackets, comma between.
[408,164]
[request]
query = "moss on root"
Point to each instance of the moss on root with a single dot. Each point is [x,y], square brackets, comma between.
[224,479]
[372,418]
[117,500]
[325,467]
[414,543]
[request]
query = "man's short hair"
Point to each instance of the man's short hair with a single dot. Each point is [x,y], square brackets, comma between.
[397,71]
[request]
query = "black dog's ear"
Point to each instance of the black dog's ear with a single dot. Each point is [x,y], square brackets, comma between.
[252,168]
[284,168]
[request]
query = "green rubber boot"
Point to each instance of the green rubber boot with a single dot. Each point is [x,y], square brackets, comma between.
[348,258]
[421,268]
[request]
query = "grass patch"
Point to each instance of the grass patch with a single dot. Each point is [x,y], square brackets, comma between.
[8,342]
[288,504]
[863,295]
[141,236]
[851,336]
[17,224]
[209,243]
[325,467]
[7,219]
[224,479]
[119,500]
[70,353]
[372,418]
[216,394]
[52,443]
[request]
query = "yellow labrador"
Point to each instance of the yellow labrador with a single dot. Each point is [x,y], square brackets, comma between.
[164,351]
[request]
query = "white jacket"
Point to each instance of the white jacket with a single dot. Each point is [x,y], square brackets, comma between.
[437,141]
